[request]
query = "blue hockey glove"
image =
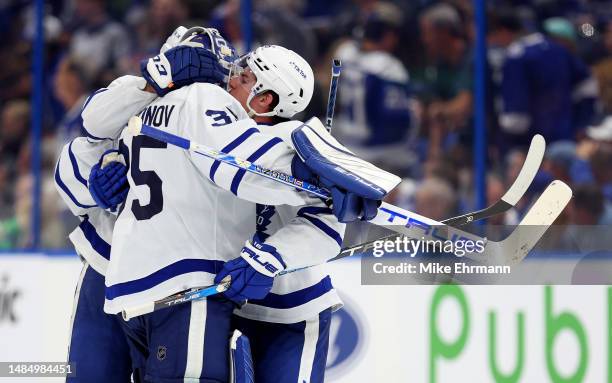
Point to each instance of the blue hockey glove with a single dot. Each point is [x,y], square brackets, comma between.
[180,66]
[253,272]
[108,183]
[346,206]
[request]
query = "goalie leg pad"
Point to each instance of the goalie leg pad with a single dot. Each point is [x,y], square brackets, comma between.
[241,361]
[330,160]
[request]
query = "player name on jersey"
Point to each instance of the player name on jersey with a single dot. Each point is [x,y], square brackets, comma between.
[157,115]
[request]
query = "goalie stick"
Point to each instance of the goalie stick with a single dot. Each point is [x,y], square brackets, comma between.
[509,251]
[333,90]
[515,192]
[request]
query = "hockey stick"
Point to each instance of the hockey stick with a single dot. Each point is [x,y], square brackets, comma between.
[532,163]
[510,251]
[393,217]
[333,89]
[515,192]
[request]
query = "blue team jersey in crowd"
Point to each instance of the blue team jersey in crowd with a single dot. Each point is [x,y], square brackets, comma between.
[545,89]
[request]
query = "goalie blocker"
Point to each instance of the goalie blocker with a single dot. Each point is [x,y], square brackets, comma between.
[356,186]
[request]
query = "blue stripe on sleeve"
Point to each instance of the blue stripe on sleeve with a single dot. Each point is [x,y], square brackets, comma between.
[295,298]
[75,166]
[253,157]
[91,96]
[83,108]
[315,210]
[175,269]
[263,214]
[229,147]
[63,186]
[320,224]
[99,245]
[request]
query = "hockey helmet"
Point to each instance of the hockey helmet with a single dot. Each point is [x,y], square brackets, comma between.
[281,71]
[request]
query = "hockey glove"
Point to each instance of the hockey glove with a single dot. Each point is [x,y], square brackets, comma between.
[346,206]
[253,272]
[108,183]
[180,66]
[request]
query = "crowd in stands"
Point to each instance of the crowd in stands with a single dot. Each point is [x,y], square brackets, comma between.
[405,102]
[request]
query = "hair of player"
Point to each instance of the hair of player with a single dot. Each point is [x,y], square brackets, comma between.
[275,101]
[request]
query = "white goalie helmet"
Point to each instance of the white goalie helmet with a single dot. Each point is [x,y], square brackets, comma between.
[283,72]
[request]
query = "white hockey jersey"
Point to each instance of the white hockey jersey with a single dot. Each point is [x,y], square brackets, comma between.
[308,231]
[294,297]
[181,218]
[92,238]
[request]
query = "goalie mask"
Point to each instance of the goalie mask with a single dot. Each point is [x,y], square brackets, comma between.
[281,71]
[212,40]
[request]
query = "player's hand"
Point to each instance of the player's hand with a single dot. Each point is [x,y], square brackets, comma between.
[252,273]
[346,206]
[107,182]
[180,66]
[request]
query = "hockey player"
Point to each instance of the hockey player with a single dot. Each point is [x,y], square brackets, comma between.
[217,119]
[97,344]
[544,88]
[289,328]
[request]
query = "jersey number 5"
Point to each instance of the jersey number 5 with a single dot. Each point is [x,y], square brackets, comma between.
[146,177]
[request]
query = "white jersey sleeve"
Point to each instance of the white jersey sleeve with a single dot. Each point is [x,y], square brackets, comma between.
[107,110]
[312,235]
[92,238]
[307,235]
[72,172]
[217,129]
[304,236]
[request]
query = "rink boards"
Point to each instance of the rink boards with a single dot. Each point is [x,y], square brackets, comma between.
[384,333]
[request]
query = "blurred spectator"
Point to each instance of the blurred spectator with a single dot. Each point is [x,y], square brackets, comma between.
[602,70]
[71,90]
[277,22]
[601,166]
[562,163]
[545,89]
[561,31]
[435,198]
[374,116]
[445,83]
[100,43]
[153,24]
[588,207]
[15,128]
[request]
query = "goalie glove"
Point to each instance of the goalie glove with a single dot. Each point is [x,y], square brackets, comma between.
[252,274]
[180,66]
[107,183]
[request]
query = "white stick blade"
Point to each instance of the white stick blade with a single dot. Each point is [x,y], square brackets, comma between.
[535,223]
[534,158]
